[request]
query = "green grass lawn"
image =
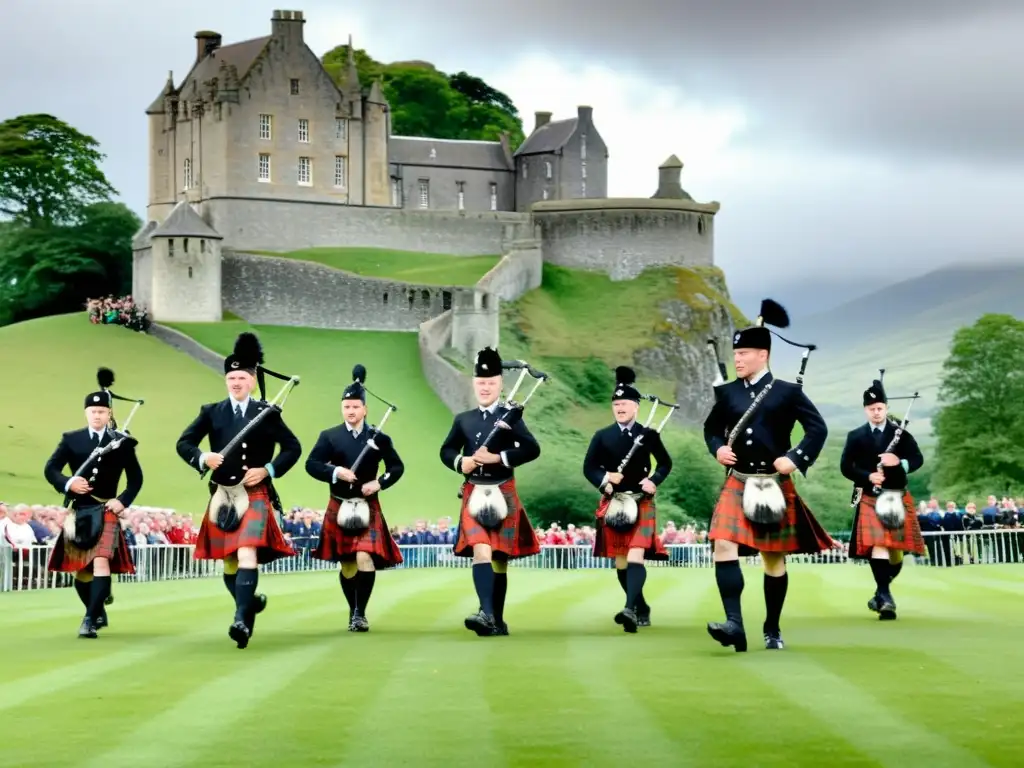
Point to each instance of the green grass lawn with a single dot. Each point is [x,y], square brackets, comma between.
[66,350]
[407,266]
[165,686]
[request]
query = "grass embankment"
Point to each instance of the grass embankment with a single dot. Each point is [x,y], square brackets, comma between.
[50,366]
[936,688]
[406,266]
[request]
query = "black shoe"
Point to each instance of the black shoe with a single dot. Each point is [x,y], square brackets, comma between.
[481,623]
[729,633]
[875,604]
[773,640]
[261,604]
[240,633]
[109,600]
[101,622]
[627,618]
[643,619]
[887,608]
[250,616]
[360,624]
[87,629]
[501,628]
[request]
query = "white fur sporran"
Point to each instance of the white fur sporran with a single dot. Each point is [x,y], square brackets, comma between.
[354,515]
[763,500]
[622,512]
[227,507]
[890,510]
[487,506]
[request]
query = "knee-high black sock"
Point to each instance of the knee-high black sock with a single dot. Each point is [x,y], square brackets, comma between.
[348,588]
[894,570]
[364,587]
[99,589]
[636,575]
[880,570]
[500,589]
[730,587]
[775,588]
[483,580]
[245,589]
[229,582]
[83,588]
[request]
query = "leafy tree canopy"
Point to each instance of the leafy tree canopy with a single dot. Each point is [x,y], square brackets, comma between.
[49,171]
[427,102]
[981,420]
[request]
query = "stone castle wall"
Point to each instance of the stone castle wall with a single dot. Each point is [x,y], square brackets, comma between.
[280,225]
[623,237]
[450,384]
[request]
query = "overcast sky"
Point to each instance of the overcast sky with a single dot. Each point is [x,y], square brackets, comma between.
[839,135]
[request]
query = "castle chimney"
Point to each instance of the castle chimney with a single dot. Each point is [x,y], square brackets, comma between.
[669,174]
[542,119]
[585,114]
[286,26]
[206,43]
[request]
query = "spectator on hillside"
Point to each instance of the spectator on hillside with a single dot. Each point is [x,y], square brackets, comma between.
[970,520]
[991,513]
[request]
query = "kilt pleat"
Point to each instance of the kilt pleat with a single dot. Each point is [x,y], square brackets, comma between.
[258,530]
[799,532]
[112,545]
[337,545]
[868,531]
[643,535]
[514,539]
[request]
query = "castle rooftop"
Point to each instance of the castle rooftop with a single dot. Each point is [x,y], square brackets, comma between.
[183,221]
[475,154]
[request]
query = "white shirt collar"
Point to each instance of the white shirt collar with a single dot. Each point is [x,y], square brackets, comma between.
[99,433]
[243,403]
[490,408]
[756,377]
[627,426]
[873,428]
[355,430]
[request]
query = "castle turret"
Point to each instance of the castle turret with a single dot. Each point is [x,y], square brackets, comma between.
[161,118]
[376,182]
[185,268]
[669,186]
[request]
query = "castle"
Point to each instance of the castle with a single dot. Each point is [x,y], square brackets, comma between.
[259,150]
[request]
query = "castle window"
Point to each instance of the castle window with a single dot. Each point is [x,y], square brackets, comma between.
[187,172]
[412,298]
[461,191]
[184,110]
[583,146]
[170,248]
[190,273]
[295,87]
[305,171]
[202,246]
[544,194]
[264,172]
[385,298]
[433,154]
[524,168]
[583,169]
[446,300]
[396,193]
[184,245]
[700,226]
[340,172]
[494,196]
[424,193]
[340,128]
[483,301]
[303,130]
[425,298]
[583,188]
[265,125]
[547,169]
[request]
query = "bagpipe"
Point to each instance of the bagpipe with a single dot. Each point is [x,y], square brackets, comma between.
[486,504]
[621,513]
[889,507]
[83,526]
[229,503]
[354,513]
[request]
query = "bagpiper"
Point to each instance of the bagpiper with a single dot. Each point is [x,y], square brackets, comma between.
[618,463]
[92,544]
[493,526]
[877,458]
[749,432]
[240,526]
[355,533]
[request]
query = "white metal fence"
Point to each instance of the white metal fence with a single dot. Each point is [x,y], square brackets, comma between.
[25,569]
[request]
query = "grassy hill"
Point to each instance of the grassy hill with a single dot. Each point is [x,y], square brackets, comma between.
[407,266]
[50,366]
[905,328]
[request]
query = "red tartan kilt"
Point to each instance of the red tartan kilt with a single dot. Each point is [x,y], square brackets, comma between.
[112,545]
[869,532]
[336,545]
[643,535]
[798,532]
[514,539]
[258,530]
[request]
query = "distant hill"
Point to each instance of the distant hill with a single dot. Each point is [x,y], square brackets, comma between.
[905,328]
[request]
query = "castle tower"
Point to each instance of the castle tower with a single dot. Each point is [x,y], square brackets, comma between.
[162,118]
[669,186]
[474,322]
[185,269]
[375,131]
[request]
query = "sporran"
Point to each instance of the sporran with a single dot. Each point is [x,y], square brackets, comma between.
[228,506]
[83,526]
[487,506]
[353,515]
[622,511]
[763,500]
[890,510]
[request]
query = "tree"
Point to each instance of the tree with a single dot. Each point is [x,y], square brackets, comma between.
[49,171]
[981,419]
[426,102]
[48,270]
